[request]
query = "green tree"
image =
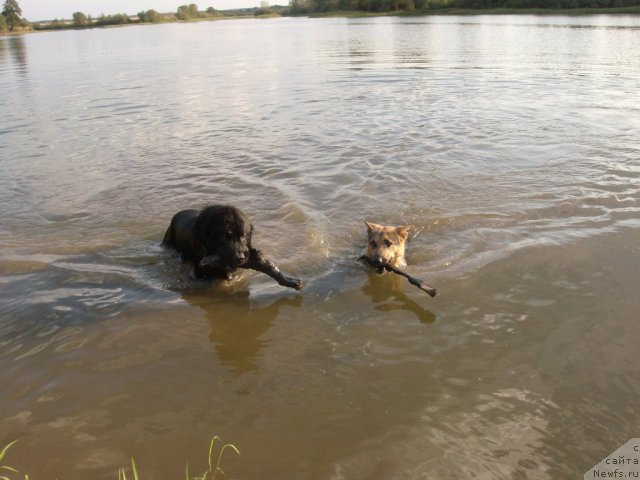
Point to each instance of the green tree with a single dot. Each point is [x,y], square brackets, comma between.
[117,19]
[185,12]
[12,13]
[3,25]
[151,16]
[264,9]
[80,19]
[154,16]
[301,6]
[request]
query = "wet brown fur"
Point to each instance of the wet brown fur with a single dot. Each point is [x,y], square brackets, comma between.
[386,244]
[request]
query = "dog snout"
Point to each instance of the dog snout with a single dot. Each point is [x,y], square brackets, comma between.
[241,255]
[377,261]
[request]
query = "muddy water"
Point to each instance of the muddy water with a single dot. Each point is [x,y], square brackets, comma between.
[510,142]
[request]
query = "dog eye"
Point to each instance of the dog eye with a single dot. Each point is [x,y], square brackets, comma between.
[373,243]
[387,243]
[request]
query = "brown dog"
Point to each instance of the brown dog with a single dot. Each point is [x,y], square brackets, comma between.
[386,244]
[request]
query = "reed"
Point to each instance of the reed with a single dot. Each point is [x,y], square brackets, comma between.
[122,474]
[6,468]
[214,472]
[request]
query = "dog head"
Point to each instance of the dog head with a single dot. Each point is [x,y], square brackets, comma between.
[386,244]
[226,231]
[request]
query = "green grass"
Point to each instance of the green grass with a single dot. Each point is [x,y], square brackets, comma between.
[214,472]
[122,474]
[6,468]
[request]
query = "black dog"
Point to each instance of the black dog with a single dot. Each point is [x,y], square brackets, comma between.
[217,241]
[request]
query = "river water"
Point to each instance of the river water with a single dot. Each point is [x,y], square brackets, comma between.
[511,142]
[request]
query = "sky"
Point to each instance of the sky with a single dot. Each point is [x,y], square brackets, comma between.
[35,10]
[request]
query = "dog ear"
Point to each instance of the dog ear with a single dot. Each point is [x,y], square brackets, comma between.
[404,231]
[372,226]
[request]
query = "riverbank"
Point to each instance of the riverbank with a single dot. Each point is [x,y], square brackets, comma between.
[143,18]
[635,10]
[481,11]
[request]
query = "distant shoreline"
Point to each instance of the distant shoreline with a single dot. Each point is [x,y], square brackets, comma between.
[634,10]
[36,27]
[480,11]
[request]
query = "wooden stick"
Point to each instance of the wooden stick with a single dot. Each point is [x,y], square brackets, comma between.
[412,280]
[258,262]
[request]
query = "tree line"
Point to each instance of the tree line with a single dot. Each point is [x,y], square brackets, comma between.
[301,7]
[182,13]
[11,17]
[81,20]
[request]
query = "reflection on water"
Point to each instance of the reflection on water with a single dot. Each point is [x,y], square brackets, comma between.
[509,141]
[18,53]
[238,325]
[13,54]
[387,294]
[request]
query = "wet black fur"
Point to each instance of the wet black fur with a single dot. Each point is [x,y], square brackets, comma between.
[220,230]
[217,241]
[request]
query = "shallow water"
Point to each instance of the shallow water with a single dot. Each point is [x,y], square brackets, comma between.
[510,142]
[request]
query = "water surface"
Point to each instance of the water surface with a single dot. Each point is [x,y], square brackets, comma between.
[509,142]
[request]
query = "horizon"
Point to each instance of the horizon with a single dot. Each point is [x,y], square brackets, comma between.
[43,10]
